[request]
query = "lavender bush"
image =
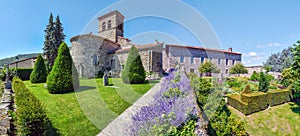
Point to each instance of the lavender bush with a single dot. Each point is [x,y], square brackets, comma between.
[174,107]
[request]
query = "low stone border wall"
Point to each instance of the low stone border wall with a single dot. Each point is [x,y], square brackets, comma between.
[5,107]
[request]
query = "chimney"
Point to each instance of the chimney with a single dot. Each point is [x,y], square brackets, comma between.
[230,49]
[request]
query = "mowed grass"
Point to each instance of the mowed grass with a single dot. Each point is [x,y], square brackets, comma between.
[90,108]
[279,120]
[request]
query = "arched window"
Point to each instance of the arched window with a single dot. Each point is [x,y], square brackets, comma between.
[103,26]
[109,24]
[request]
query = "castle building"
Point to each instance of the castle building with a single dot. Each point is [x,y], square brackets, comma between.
[109,50]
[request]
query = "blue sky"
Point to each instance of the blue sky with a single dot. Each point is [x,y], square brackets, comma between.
[255,28]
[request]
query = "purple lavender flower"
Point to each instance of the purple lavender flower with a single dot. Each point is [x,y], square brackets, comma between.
[168,110]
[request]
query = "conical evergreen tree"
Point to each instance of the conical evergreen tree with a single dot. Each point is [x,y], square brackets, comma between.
[53,38]
[39,73]
[59,36]
[63,76]
[49,42]
[134,71]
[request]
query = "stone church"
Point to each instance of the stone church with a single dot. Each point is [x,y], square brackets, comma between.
[109,50]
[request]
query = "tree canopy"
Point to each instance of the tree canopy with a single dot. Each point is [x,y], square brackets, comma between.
[54,36]
[238,69]
[208,67]
[279,61]
[296,69]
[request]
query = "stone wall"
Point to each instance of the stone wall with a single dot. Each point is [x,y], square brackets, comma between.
[115,30]
[192,58]
[26,63]
[5,119]
[90,54]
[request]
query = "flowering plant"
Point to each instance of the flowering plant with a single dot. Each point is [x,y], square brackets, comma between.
[175,106]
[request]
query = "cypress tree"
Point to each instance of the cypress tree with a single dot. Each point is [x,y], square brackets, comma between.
[39,73]
[49,43]
[63,76]
[134,71]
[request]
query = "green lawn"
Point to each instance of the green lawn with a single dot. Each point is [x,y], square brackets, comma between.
[276,121]
[88,110]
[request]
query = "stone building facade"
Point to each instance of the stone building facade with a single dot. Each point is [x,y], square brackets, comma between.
[25,63]
[109,50]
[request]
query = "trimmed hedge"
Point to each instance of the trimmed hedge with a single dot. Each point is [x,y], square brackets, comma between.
[248,103]
[279,97]
[256,101]
[31,118]
[23,73]
[236,102]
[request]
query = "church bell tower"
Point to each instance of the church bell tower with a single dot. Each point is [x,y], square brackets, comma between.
[111,25]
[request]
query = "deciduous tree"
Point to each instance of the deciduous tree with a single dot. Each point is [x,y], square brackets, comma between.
[208,68]
[238,69]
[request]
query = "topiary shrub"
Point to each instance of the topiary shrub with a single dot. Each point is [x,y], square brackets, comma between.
[247,89]
[134,71]
[39,73]
[31,119]
[63,76]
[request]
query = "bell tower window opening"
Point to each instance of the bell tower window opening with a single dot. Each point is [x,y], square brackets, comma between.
[120,26]
[109,24]
[103,26]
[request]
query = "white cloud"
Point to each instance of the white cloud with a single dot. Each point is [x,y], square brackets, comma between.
[273,44]
[253,56]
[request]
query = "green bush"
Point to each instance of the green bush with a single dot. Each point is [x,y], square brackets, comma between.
[1,88]
[39,73]
[133,72]
[63,76]
[23,73]
[254,76]
[31,118]
[269,77]
[233,82]
[192,75]
[263,83]
[201,87]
